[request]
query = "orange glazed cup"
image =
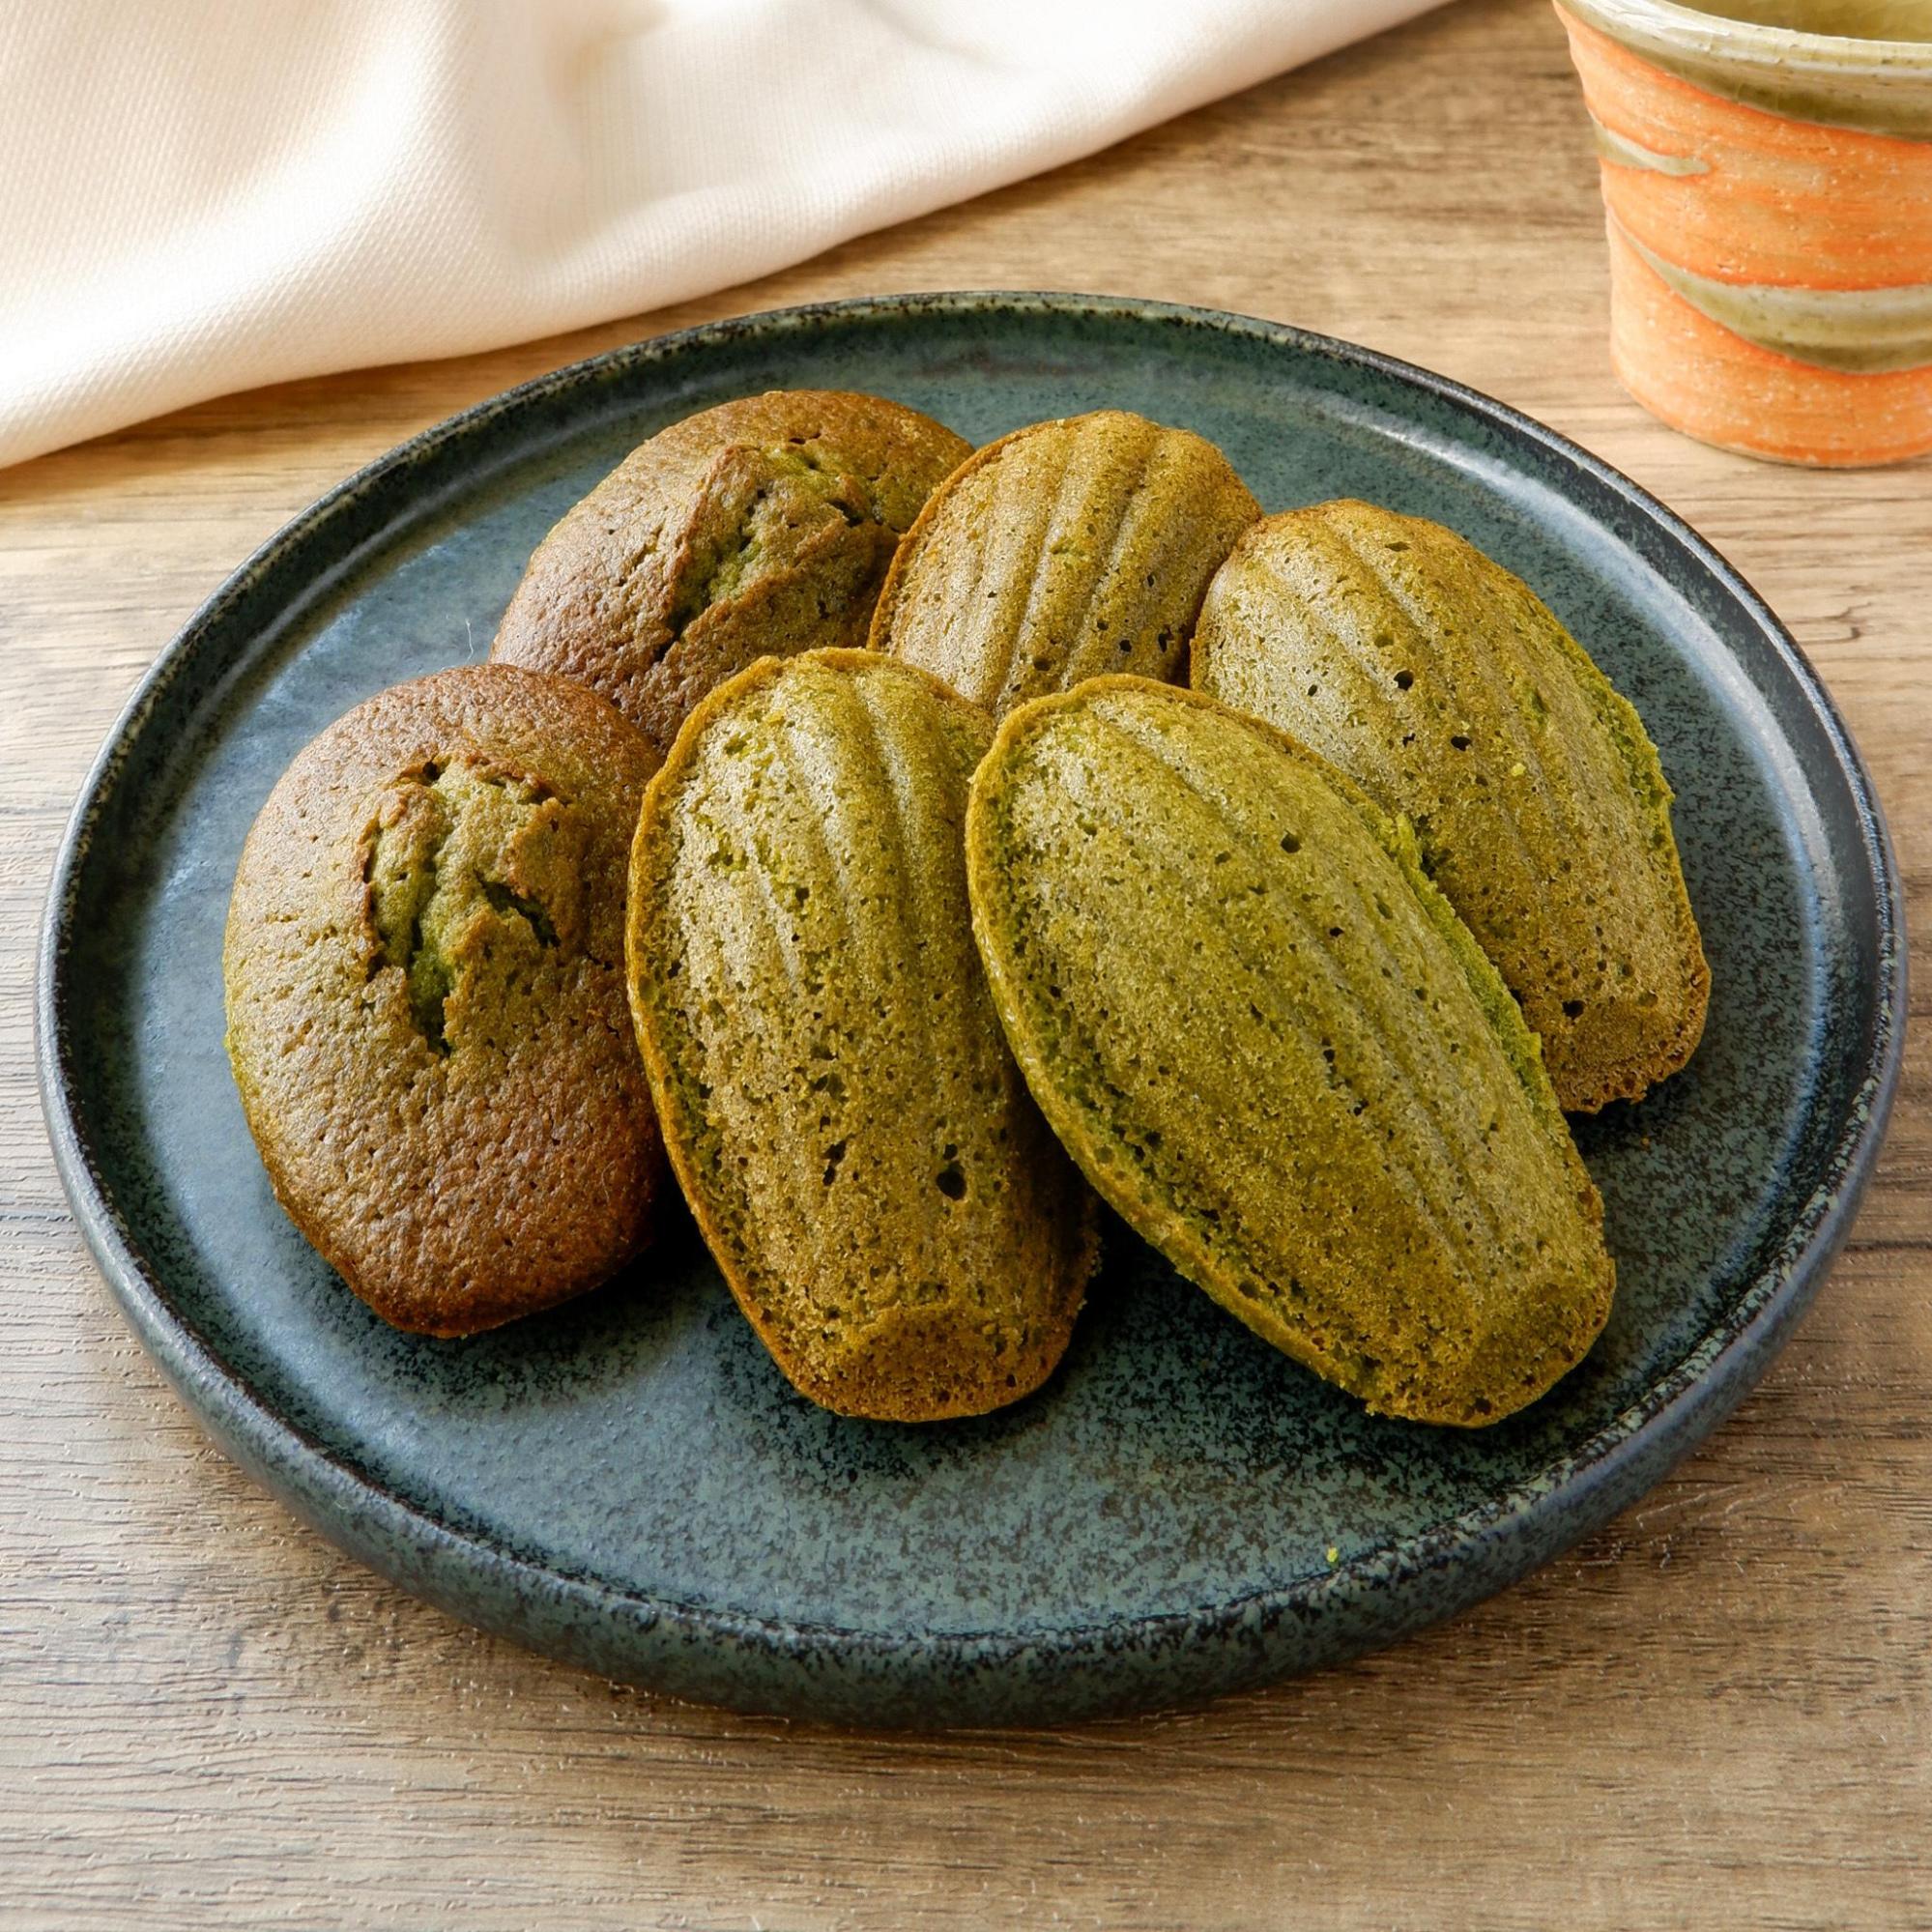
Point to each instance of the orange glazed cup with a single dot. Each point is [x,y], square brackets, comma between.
[1766,170]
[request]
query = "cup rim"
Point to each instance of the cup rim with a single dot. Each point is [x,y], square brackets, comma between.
[1689,30]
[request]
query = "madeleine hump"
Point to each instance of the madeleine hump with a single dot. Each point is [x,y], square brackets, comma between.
[760,528]
[426,998]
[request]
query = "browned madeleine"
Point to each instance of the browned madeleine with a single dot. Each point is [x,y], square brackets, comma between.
[426,1010]
[761,527]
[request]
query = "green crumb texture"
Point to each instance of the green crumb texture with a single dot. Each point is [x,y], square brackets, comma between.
[1274,1048]
[470,867]
[837,1095]
[1064,551]
[1447,688]
[763,527]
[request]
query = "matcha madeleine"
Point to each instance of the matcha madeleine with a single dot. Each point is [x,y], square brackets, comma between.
[426,1012]
[1274,1048]
[1452,692]
[760,528]
[838,1098]
[1060,552]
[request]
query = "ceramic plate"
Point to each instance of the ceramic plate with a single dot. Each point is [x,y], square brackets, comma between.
[627,1481]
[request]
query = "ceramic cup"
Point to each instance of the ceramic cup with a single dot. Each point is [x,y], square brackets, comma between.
[1766,170]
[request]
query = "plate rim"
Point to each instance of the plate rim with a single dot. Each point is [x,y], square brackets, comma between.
[1673,1414]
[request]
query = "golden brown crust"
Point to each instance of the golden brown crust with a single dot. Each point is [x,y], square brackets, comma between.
[838,1100]
[761,527]
[426,1014]
[1065,550]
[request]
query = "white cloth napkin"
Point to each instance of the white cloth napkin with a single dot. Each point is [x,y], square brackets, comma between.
[202,195]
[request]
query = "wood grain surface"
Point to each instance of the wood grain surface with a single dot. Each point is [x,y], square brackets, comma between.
[1716,1713]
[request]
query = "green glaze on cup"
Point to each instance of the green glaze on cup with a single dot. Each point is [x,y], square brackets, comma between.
[1863,64]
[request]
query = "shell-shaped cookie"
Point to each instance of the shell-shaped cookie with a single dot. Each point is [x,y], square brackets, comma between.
[760,528]
[1451,691]
[1273,1047]
[837,1095]
[1064,551]
[426,1008]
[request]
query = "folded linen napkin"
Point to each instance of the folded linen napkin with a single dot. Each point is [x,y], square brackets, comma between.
[203,196]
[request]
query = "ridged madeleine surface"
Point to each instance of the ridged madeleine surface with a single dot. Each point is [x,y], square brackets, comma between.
[760,528]
[1452,692]
[837,1095]
[1271,1047]
[1063,551]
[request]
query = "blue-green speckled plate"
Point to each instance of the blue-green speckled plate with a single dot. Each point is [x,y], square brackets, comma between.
[627,1481]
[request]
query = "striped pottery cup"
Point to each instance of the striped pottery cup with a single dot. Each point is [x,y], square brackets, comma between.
[1766,170]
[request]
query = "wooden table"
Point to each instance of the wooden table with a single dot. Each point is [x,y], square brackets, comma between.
[1717,1712]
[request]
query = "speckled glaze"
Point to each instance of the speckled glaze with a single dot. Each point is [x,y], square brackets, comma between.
[1768,194]
[628,1481]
